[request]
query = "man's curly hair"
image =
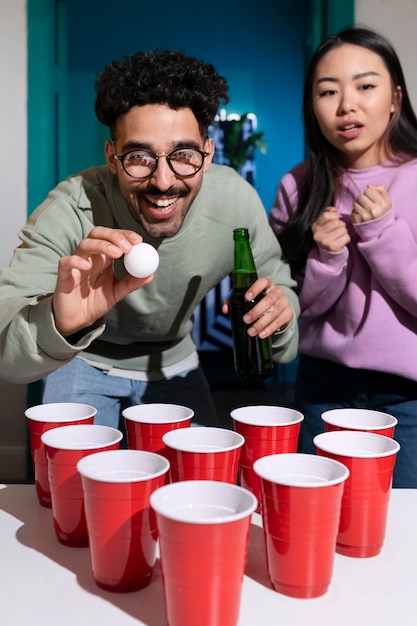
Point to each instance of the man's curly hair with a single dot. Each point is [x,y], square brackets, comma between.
[160,77]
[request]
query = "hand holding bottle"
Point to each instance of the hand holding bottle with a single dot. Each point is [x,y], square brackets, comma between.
[272,312]
[258,309]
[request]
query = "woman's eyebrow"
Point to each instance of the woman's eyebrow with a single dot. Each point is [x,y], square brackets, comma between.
[331,79]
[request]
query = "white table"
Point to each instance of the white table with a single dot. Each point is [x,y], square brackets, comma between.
[43,583]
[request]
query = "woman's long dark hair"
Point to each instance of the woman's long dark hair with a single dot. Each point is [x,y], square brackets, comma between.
[319,189]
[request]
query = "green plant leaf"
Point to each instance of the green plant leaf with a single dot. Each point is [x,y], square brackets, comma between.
[238,151]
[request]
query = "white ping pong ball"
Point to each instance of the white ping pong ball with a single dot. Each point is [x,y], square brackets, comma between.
[142,260]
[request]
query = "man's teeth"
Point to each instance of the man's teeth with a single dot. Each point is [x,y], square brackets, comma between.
[162,204]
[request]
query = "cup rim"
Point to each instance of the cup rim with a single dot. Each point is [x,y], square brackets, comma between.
[163,494]
[239,415]
[170,439]
[84,466]
[286,478]
[146,413]
[331,417]
[48,438]
[36,413]
[328,442]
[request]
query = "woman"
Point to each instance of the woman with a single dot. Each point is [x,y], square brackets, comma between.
[347,221]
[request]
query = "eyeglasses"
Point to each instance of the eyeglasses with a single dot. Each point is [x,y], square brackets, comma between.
[183,162]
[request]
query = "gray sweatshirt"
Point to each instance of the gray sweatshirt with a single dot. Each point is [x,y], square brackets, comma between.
[151,328]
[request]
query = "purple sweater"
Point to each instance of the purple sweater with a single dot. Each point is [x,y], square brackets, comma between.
[359,306]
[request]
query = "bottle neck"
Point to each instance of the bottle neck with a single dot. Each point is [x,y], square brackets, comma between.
[244,270]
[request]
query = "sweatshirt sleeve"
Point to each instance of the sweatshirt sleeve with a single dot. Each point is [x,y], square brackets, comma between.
[390,248]
[325,273]
[325,279]
[30,345]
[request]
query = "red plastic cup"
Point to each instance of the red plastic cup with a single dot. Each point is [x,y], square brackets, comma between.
[267,430]
[41,418]
[146,423]
[367,420]
[370,459]
[121,525]
[203,453]
[301,498]
[203,538]
[64,447]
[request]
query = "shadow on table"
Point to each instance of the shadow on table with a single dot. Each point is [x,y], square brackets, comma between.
[147,605]
[37,533]
[256,567]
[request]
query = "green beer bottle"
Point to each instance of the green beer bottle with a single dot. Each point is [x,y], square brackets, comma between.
[252,355]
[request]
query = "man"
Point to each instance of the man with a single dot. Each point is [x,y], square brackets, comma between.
[69,312]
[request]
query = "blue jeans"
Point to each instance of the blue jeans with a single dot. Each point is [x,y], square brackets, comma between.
[80,382]
[322,385]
